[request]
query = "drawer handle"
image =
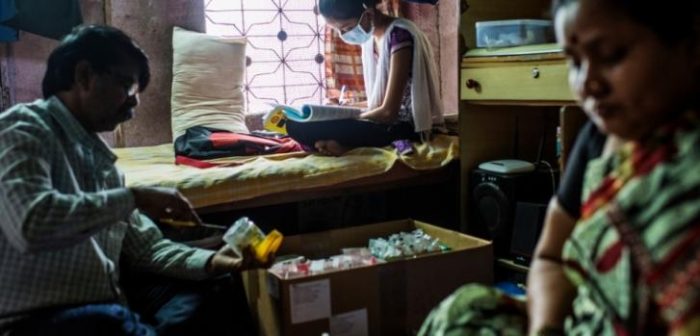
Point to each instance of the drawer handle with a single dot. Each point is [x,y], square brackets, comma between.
[472,84]
[535,73]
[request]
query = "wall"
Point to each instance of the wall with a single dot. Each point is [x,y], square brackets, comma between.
[441,24]
[150,22]
[22,63]
[26,59]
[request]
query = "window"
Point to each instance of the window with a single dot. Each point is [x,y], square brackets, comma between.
[285,48]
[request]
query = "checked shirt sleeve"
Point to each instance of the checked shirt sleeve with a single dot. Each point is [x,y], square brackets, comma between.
[145,248]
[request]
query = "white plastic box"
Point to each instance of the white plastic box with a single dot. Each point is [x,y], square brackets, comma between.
[509,33]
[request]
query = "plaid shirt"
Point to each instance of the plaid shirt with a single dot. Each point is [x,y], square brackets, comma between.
[66,216]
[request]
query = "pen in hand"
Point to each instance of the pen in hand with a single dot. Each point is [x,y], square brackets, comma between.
[341,98]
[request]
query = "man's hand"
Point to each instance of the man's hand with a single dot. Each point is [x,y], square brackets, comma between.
[164,203]
[226,261]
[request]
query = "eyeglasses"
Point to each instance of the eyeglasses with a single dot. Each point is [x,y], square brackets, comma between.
[126,82]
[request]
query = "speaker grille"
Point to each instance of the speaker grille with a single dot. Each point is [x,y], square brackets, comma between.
[493,206]
[494,209]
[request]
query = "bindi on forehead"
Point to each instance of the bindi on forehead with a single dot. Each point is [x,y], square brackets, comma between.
[588,25]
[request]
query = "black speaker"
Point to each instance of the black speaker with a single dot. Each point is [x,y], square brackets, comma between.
[494,197]
[527,226]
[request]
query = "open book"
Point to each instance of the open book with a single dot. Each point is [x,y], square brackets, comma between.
[310,112]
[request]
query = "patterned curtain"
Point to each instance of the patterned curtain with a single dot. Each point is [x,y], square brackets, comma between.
[343,62]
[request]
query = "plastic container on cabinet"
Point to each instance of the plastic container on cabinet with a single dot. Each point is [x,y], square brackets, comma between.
[510,33]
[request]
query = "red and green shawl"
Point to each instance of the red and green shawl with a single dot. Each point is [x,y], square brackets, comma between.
[635,253]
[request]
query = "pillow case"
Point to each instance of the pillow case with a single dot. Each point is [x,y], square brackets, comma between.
[207,88]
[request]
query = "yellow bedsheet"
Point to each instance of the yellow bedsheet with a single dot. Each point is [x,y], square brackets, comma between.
[255,176]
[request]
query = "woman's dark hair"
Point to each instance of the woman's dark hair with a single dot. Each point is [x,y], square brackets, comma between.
[102,47]
[344,9]
[672,21]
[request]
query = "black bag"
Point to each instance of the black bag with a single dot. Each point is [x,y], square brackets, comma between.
[203,143]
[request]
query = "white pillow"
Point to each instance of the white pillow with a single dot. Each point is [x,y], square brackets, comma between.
[208,73]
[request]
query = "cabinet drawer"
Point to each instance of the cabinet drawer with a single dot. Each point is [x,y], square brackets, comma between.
[525,81]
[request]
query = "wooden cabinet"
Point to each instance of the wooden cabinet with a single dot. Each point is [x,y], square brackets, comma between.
[512,102]
[526,78]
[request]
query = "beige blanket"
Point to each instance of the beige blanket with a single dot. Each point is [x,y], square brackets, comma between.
[250,177]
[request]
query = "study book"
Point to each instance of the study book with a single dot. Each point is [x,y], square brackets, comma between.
[310,112]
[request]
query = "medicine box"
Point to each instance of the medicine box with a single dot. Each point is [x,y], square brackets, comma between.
[391,298]
[509,33]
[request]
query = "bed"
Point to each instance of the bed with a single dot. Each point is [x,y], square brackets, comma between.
[246,182]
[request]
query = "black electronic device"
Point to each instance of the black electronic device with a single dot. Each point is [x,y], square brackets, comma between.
[528,220]
[494,199]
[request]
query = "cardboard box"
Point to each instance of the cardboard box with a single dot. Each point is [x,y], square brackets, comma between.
[392,298]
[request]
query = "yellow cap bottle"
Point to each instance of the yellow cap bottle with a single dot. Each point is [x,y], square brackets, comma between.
[244,233]
[268,246]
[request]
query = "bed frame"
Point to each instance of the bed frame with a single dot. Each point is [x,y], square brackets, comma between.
[399,176]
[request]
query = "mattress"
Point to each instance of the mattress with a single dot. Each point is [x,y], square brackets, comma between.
[250,177]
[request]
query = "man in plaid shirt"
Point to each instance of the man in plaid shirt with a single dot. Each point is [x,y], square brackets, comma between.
[68,221]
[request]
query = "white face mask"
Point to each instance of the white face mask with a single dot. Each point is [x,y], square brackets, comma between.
[357,35]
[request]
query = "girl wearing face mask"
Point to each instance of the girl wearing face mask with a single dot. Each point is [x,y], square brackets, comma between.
[400,81]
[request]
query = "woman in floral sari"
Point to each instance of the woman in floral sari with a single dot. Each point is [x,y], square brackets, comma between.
[629,262]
